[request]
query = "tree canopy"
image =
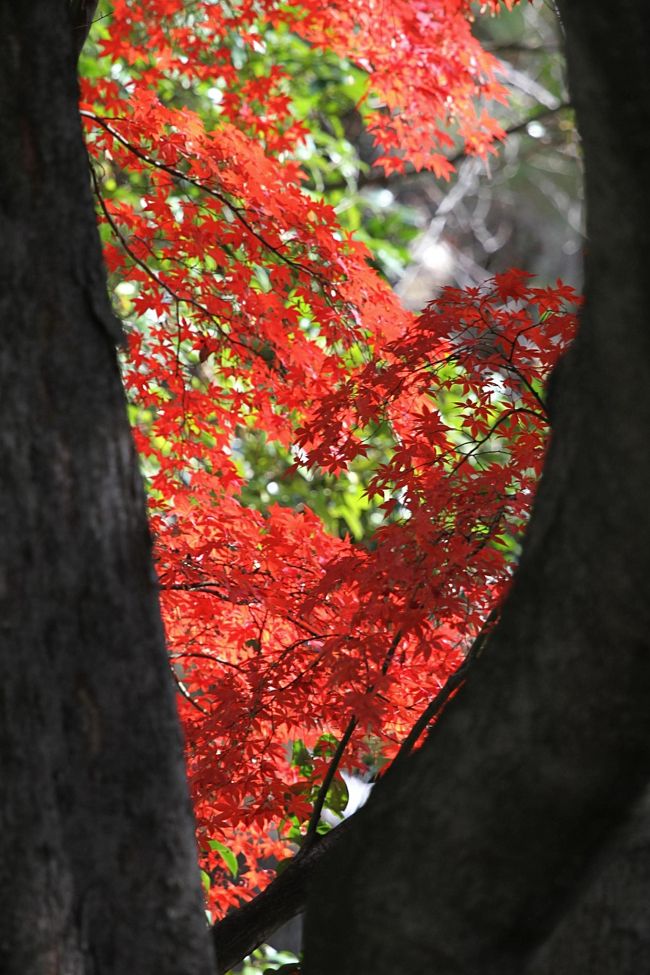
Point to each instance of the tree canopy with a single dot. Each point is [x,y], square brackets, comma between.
[258,328]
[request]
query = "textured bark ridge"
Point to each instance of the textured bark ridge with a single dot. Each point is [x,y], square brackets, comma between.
[97,863]
[492,851]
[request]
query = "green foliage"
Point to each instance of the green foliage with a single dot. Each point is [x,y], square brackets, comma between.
[341,502]
[266,959]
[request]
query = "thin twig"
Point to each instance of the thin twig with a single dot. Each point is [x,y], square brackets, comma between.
[377,177]
[216,194]
[186,694]
[314,819]
[452,683]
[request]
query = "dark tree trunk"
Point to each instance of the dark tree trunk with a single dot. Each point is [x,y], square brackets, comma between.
[503,846]
[97,862]
[606,931]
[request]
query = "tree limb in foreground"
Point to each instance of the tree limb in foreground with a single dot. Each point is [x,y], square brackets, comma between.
[240,932]
[243,930]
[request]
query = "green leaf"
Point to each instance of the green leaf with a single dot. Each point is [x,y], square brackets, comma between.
[226,855]
[283,864]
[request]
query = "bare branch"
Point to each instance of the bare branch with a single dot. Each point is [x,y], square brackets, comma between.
[240,932]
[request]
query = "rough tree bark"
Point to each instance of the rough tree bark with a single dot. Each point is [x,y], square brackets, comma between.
[97,861]
[516,840]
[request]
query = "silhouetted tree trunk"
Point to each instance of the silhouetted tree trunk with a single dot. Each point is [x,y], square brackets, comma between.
[97,863]
[517,839]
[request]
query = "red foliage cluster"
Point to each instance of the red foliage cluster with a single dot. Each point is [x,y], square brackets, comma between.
[285,632]
[255,309]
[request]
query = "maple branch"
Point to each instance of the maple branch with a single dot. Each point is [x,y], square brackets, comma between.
[203,587]
[522,379]
[186,694]
[129,250]
[377,177]
[516,410]
[452,683]
[314,819]
[516,48]
[340,749]
[207,656]
[149,271]
[216,194]
[192,302]
[243,930]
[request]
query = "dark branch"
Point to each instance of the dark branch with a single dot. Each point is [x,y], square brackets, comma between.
[311,833]
[342,745]
[452,684]
[239,933]
[377,177]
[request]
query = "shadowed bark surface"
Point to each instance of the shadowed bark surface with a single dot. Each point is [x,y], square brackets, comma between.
[468,857]
[608,929]
[97,862]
